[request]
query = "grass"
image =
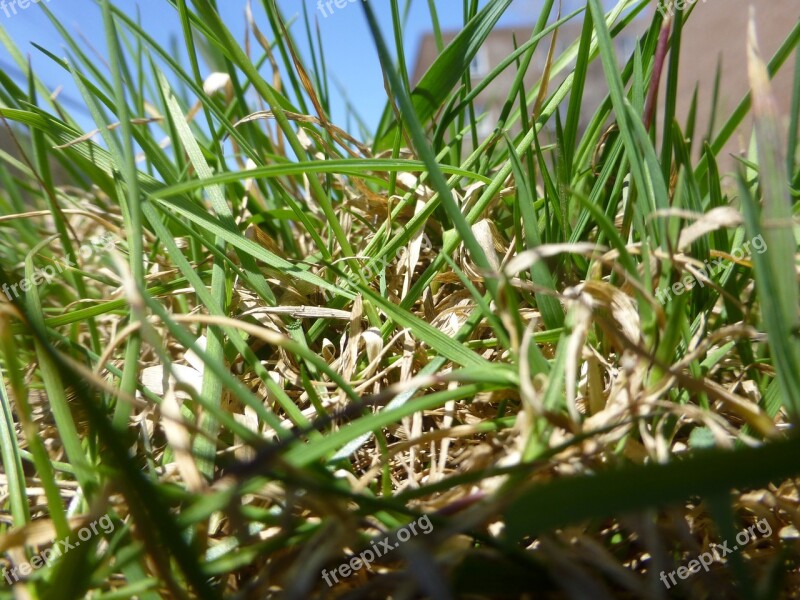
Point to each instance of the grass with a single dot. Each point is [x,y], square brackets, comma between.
[305,339]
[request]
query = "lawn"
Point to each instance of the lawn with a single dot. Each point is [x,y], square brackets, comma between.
[247,353]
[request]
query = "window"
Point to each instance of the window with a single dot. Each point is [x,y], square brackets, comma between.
[626,46]
[562,46]
[479,67]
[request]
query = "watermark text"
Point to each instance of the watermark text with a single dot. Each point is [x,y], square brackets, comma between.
[384,547]
[59,548]
[11,7]
[717,553]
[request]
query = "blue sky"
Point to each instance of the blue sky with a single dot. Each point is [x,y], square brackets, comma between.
[348,47]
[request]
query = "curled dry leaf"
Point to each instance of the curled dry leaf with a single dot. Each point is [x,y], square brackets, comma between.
[217,82]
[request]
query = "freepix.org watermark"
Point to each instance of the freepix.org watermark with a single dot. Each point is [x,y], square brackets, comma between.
[11,7]
[329,4]
[718,552]
[710,269]
[384,547]
[668,7]
[46,274]
[59,548]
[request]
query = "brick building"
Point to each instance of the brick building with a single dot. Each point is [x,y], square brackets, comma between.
[501,42]
[715,32]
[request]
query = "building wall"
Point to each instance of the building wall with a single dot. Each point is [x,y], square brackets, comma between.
[502,42]
[717,29]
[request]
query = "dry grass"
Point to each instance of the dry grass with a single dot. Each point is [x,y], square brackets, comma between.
[302,342]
